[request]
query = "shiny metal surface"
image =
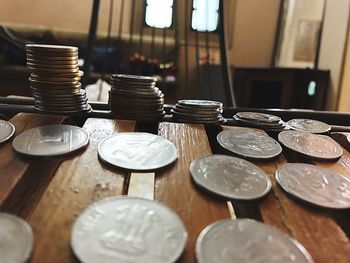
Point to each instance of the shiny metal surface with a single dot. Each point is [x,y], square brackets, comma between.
[249,143]
[16,242]
[126,229]
[316,185]
[137,151]
[7,130]
[320,147]
[247,241]
[308,125]
[51,140]
[230,177]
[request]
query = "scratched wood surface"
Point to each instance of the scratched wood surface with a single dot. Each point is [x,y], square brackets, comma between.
[175,189]
[315,228]
[23,179]
[79,181]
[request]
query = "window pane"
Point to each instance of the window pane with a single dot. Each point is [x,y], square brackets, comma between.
[159,13]
[205,15]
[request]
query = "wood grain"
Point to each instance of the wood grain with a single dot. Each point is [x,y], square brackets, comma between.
[313,228]
[79,181]
[175,189]
[23,179]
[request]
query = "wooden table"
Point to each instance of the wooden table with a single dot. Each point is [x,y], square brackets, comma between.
[51,193]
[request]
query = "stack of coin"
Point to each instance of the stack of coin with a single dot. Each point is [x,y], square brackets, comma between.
[54,79]
[267,122]
[198,111]
[136,98]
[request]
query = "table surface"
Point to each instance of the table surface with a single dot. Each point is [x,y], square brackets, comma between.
[51,193]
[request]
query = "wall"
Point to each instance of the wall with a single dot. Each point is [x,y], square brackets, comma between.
[344,99]
[333,43]
[253,34]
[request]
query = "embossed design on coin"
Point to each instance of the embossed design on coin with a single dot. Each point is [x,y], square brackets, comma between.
[249,143]
[6,131]
[308,125]
[230,177]
[124,229]
[316,146]
[247,241]
[16,241]
[51,140]
[316,185]
[137,151]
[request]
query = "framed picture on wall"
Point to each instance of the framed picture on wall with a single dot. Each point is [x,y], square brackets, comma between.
[306,40]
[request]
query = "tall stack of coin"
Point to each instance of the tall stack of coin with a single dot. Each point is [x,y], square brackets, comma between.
[267,122]
[54,79]
[198,111]
[135,98]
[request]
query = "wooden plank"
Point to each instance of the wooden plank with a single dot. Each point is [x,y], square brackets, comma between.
[79,181]
[175,189]
[22,179]
[312,227]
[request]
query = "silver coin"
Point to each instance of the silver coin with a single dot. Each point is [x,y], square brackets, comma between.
[137,151]
[249,143]
[51,140]
[200,103]
[16,242]
[279,124]
[230,177]
[126,229]
[247,241]
[316,185]
[258,117]
[320,147]
[135,78]
[307,125]
[6,131]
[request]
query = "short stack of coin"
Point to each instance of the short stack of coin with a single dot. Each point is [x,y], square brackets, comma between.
[198,111]
[260,120]
[135,98]
[54,79]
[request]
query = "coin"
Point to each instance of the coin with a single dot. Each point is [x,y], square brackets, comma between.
[249,143]
[125,229]
[16,239]
[55,78]
[230,177]
[135,78]
[258,117]
[137,151]
[307,125]
[200,103]
[57,63]
[37,65]
[246,240]
[320,147]
[6,131]
[51,140]
[315,185]
[51,58]
[51,48]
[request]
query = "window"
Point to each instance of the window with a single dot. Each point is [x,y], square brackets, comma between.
[159,13]
[205,15]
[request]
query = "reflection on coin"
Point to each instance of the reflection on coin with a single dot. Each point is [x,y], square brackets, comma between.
[316,185]
[245,241]
[133,78]
[307,125]
[16,241]
[51,48]
[127,229]
[6,131]
[137,151]
[249,143]
[319,147]
[258,117]
[51,140]
[230,177]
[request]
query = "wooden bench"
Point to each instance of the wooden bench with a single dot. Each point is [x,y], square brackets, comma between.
[51,193]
